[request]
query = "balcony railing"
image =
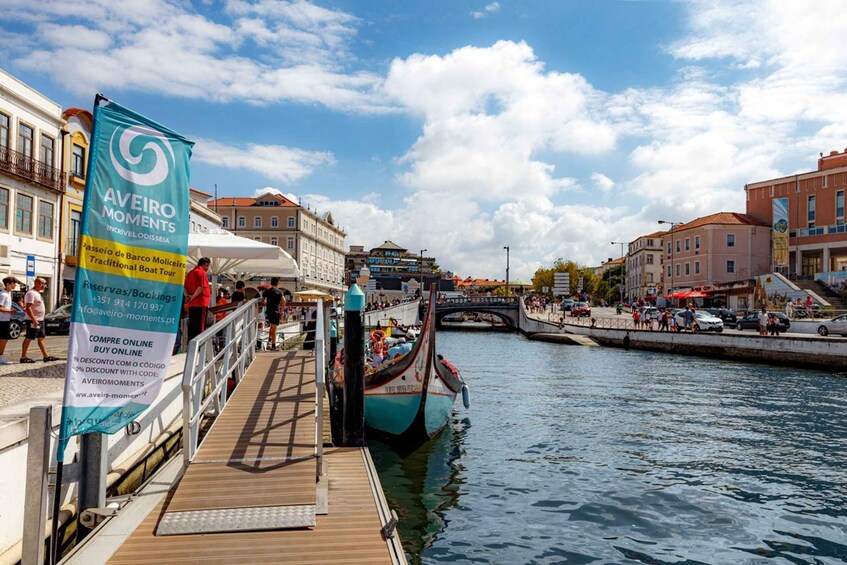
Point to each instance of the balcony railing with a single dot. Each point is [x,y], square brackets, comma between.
[71,247]
[820,230]
[30,169]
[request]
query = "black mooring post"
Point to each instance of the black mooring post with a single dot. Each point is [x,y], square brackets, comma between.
[353,431]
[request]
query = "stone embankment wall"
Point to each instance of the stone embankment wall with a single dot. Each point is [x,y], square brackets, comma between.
[406,314]
[829,353]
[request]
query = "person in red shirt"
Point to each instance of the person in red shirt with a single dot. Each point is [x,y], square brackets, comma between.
[199,294]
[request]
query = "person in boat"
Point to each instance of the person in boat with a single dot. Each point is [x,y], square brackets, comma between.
[378,348]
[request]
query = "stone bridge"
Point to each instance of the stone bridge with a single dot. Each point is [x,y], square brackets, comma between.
[507,309]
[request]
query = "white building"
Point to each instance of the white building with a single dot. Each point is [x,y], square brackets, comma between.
[31,182]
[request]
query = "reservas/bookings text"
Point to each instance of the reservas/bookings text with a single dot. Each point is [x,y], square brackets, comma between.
[130,292]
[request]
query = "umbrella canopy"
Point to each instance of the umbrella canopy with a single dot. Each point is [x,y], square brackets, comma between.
[312,293]
[283,266]
[227,250]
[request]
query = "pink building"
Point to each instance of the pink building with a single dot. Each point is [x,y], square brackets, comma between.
[720,248]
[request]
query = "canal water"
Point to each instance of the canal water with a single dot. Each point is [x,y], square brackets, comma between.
[576,455]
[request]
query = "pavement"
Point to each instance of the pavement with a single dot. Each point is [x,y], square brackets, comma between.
[28,382]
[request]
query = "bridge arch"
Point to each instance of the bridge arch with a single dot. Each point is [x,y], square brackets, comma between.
[505,308]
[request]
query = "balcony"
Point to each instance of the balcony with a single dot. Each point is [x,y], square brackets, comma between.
[30,169]
[820,230]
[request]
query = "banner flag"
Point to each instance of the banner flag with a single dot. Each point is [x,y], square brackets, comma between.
[780,232]
[130,272]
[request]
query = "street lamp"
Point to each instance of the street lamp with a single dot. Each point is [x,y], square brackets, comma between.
[420,267]
[623,267]
[506,247]
[673,245]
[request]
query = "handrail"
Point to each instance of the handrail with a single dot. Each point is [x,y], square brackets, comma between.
[320,384]
[208,364]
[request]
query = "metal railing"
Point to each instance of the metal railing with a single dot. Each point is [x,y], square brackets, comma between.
[26,166]
[321,342]
[227,347]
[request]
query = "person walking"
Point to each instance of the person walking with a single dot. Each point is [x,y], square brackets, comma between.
[6,312]
[273,300]
[199,295]
[34,309]
[688,319]
[763,321]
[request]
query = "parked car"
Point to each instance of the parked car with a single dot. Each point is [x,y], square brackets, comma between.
[703,321]
[16,323]
[58,321]
[567,304]
[728,316]
[837,325]
[751,322]
[581,309]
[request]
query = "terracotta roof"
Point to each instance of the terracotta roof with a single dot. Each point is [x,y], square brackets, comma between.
[659,233]
[246,201]
[617,261]
[723,218]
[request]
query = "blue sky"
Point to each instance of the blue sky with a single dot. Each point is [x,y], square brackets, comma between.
[553,127]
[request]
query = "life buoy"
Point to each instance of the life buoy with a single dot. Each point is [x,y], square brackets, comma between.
[377,335]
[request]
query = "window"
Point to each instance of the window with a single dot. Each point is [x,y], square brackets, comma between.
[649,243]
[78,164]
[669,270]
[47,148]
[4,130]
[23,213]
[678,246]
[76,221]
[697,242]
[730,266]
[225,222]
[257,238]
[730,240]
[290,243]
[25,140]
[257,222]
[4,208]
[649,258]
[688,244]
[274,241]
[291,221]
[274,221]
[687,269]
[824,182]
[771,192]
[839,208]
[45,219]
[811,212]
[242,221]
[696,267]
[669,248]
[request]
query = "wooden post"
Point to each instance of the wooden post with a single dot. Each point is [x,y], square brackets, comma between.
[353,431]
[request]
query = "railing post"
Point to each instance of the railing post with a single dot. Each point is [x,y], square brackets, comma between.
[320,367]
[37,465]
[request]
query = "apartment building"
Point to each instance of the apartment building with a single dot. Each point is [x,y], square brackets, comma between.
[719,248]
[314,240]
[392,267]
[644,266]
[812,205]
[201,217]
[31,183]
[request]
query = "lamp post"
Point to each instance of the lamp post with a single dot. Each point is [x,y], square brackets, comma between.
[623,267]
[673,245]
[506,247]
[420,267]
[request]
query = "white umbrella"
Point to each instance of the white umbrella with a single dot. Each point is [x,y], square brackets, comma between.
[226,252]
[283,266]
[312,293]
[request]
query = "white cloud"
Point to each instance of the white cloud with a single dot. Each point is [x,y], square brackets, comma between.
[277,162]
[602,182]
[269,189]
[486,11]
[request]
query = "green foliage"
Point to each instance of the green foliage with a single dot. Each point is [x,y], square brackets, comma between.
[544,277]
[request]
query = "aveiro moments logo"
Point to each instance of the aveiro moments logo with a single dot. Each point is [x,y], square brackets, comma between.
[150,164]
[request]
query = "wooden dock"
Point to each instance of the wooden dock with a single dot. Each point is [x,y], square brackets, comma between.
[251,492]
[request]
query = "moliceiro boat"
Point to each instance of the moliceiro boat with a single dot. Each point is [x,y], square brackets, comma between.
[410,395]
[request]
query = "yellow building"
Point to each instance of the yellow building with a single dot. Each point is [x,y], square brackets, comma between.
[77,135]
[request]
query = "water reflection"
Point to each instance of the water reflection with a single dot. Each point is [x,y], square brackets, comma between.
[422,483]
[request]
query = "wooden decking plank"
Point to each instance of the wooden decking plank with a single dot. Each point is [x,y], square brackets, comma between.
[349,534]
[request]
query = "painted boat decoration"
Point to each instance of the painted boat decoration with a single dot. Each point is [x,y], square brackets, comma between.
[411,396]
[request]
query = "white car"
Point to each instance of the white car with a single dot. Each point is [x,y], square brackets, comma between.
[703,321]
[837,325]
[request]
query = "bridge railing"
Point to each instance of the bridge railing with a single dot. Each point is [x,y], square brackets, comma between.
[490,301]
